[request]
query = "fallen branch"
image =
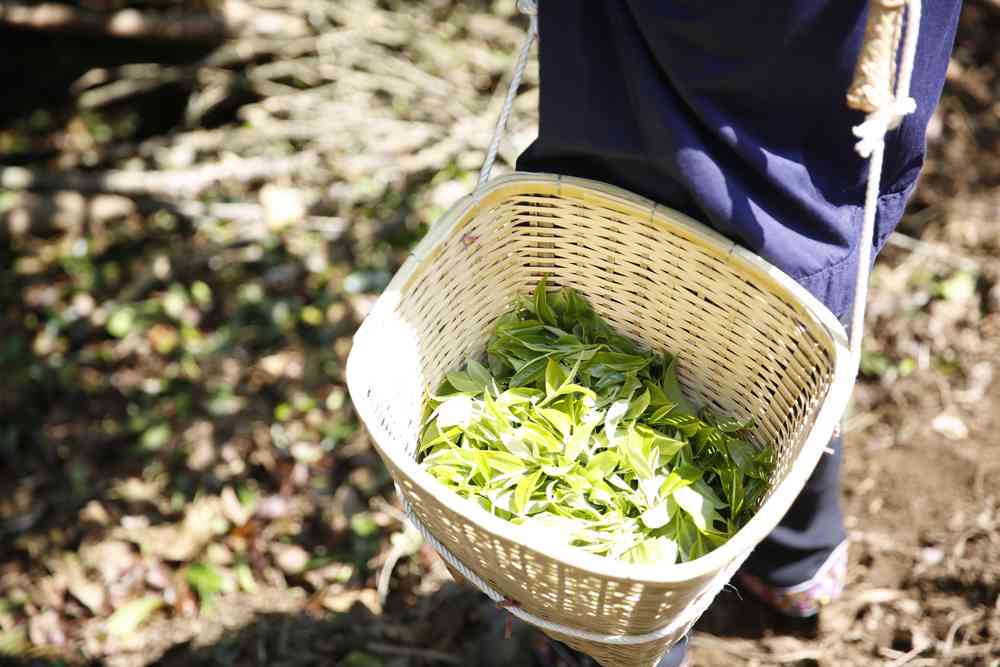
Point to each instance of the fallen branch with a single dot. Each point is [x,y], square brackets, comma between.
[236,18]
[127,23]
[426,654]
[171,185]
[30,214]
[949,642]
[254,219]
[117,91]
[933,250]
[900,658]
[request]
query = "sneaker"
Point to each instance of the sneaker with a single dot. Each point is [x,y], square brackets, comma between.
[803,600]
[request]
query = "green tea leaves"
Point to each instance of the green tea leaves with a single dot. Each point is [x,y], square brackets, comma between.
[524,490]
[672,389]
[555,377]
[542,308]
[638,405]
[633,450]
[613,416]
[602,465]
[652,550]
[456,411]
[528,372]
[576,432]
[464,382]
[658,515]
[701,508]
[479,374]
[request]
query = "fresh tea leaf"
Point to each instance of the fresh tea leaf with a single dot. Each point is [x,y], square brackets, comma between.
[522,493]
[131,615]
[701,510]
[542,308]
[658,515]
[656,550]
[672,390]
[638,405]
[462,381]
[635,456]
[602,465]
[555,377]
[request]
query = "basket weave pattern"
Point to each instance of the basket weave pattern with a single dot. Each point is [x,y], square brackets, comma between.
[749,345]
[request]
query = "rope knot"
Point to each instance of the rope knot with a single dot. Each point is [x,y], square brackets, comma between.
[529,7]
[871,133]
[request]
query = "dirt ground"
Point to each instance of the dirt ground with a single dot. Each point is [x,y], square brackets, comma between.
[192,229]
[923,581]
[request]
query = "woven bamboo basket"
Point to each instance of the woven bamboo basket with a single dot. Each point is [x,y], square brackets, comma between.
[750,341]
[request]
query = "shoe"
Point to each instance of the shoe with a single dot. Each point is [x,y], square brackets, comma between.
[803,600]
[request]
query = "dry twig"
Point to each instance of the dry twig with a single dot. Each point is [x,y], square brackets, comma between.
[129,23]
[181,183]
[426,654]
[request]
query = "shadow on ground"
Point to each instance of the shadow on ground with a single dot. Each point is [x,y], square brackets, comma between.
[738,614]
[10,661]
[454,626]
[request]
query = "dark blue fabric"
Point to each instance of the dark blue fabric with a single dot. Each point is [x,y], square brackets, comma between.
[733,112]
[675,656]
[809,532]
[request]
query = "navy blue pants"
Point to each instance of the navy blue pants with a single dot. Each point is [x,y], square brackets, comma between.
[734,112]
[809,532]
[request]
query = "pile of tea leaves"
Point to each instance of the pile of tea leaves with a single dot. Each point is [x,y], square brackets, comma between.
[572,430]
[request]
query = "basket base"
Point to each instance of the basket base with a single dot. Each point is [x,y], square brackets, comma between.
[645,655]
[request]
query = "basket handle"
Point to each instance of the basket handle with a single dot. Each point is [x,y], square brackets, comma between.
[529,7]
[872,91]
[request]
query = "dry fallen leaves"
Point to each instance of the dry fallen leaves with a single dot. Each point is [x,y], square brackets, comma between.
[110,558]
[181,541]
[90,593]
[950,426]
[338,600]
[291,558]
[46,629]
[236,512]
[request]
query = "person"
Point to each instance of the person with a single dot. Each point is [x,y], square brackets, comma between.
[734,113]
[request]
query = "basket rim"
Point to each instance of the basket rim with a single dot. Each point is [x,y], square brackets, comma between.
[828,412]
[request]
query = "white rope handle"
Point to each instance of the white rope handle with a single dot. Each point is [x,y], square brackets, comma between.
[871,144]
[529,7]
